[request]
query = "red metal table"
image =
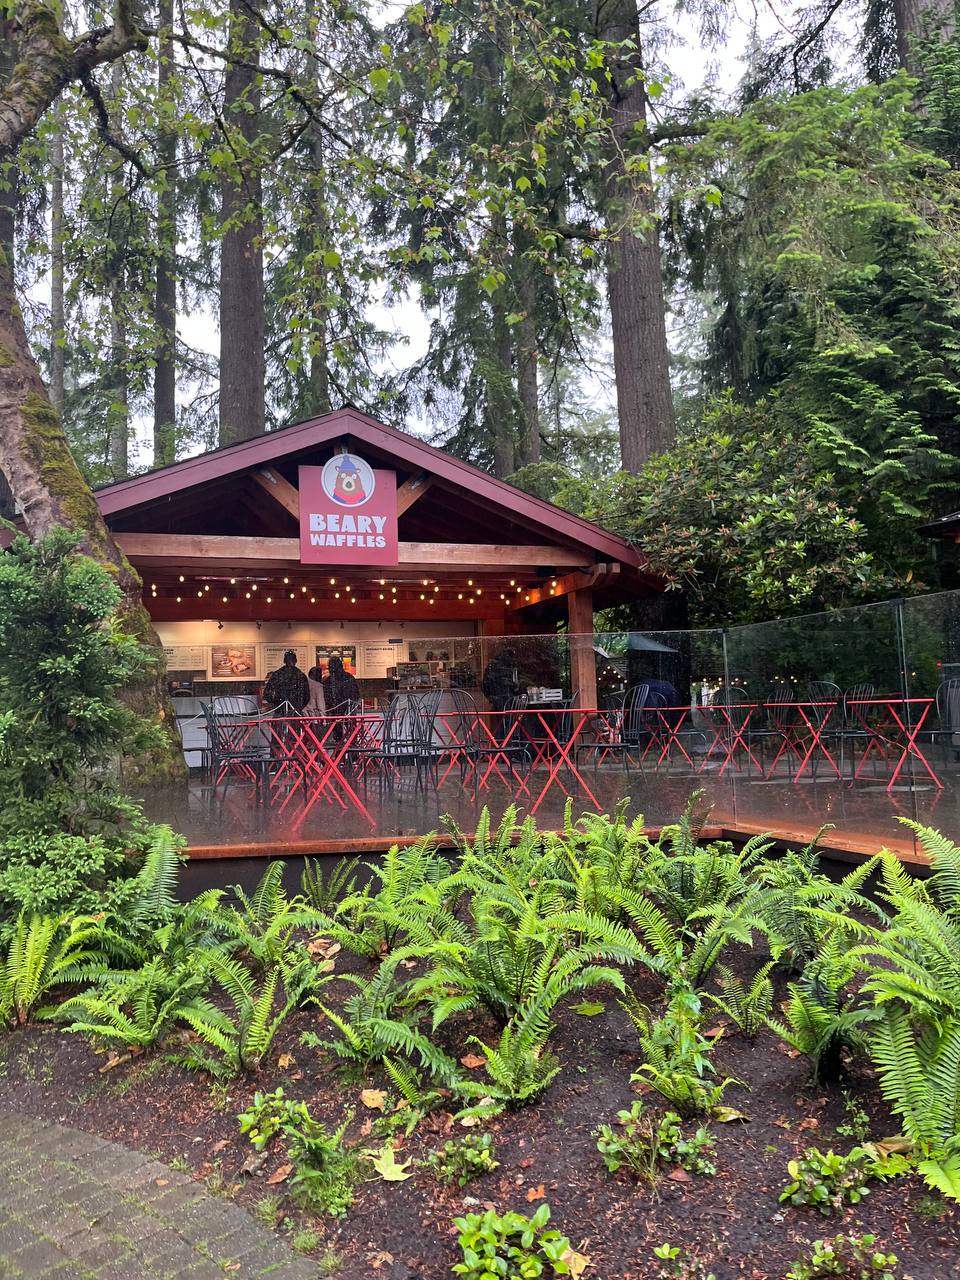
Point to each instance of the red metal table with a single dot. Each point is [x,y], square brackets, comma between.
[316,748]
[894,723]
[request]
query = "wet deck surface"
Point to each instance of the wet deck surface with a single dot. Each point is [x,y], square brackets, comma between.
[228,820]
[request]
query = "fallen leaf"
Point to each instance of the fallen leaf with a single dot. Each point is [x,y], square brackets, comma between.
[408,964]
[679,1175]
[377,1260]
[115,1060]
[577,1262]
[220,1146]
[724,1115]
[375,1099]
[472,1060]
[536,1193]
[526,1163]
[279,1175]
[469,1122]
[589,1008]
[386,1164]
[324,947]
[286,1060]
[715,1032]
[161,1182]
[366,1128]
[231,1266]
[810,1122]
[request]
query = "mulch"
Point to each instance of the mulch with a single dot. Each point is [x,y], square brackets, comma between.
[732,1222]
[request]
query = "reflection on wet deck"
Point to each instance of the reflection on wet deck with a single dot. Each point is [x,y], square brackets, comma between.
[863,814]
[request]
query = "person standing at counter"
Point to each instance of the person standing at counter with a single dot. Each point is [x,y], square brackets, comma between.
[340,689]
[317,705]
[288,685]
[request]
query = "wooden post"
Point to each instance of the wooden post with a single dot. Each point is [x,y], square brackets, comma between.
[583,663]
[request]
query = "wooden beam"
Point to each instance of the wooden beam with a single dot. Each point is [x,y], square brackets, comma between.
[282,491]
[412,491]
[583,662]
[600,575]
[209,551]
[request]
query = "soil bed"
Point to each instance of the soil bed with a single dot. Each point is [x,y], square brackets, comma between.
[733,1222]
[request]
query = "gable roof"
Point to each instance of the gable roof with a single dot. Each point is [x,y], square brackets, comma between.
[947,526]
[247,455]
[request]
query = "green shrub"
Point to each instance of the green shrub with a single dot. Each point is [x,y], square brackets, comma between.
[640,1143]
[511,1247]
[852,1256]
[326,1170]
[44,952]
[830,1181]
[460,1160]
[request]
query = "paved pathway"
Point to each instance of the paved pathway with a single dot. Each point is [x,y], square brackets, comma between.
[73,1207]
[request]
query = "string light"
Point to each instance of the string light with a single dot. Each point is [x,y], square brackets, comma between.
[253,586]
[336,595]
[333,582]
[313,599]
[181,577]
[233,582]
[199,595]
[394,590]
[179,599]
[513,582]
[206,586]
[269,599]
[224,599]
[469,582]
[286,582]
[381,595]
[426,582]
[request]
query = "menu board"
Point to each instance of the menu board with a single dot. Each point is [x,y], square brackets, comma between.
[348,652]
[378,656]
[233,662]
[185,657]
[272,655]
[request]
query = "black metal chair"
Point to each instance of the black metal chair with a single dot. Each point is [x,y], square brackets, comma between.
[780,726]
[474,746]
[401,745]
[948,719]
[237,749]
[629,731]
[858,723]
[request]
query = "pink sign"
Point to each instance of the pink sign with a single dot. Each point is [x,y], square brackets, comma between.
[348,513]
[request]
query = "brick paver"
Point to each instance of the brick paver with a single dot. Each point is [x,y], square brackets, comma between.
[74,1207]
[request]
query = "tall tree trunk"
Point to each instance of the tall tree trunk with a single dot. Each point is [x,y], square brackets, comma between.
[242,325]
[35,459]
[320,227]
[500,413]
[49,490]
[165,297]
[917,19]
[9,172]
[58,324]
[118,413]
[634,274]
[528,386]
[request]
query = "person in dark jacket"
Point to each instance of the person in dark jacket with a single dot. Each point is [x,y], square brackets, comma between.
[287,684]
[340,689]
[499,682]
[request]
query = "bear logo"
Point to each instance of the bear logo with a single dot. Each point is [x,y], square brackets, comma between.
[348,480]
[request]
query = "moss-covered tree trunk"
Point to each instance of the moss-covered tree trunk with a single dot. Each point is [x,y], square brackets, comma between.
[35,459]
[49,490]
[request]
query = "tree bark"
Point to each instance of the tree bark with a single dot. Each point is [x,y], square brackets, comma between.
[165,297]
[528,355]
[917,19]
[35,459]
[49,489]
[9,173]
[320,227]
[118,412]
[58,324]
[634,272]
[499,413]
[242,324]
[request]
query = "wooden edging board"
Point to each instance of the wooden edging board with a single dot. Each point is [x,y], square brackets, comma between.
[845,846]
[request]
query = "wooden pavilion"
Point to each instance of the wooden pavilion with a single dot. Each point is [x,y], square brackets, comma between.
[241,536]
